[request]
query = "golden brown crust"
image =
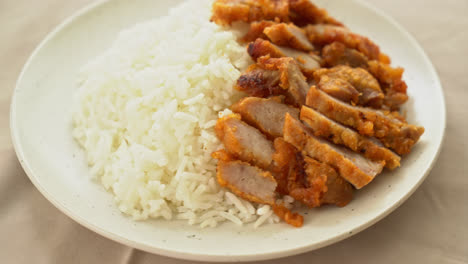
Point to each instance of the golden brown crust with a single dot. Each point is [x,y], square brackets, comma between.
[260,82]
[292,80]
[289,217]
[296,134]
[339,88]
[256,30]
[226,12]
[327,34]
[288,35]
[392,82]
[243,141]
[370,93]
[337,53]
[304,12]
[323,127]
[308,62]
[391,131]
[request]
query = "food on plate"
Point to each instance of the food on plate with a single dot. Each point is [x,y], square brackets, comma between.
[325,98]
[322,126]
[145,116]
[241,111]
[308,62]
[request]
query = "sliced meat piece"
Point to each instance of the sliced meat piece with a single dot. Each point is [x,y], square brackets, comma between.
[390,78]
[308,189]
[247,181]
[322,126]
[308,62]
[226,12]
[244,142]
[356,169]
[265,114]
[256,30]
[260,82]
[292,79]
[339,88]
[392,82]
[370,92]
[283,162]
[390,130]
[253,184]
[288,35]
[338,54]
[307,180]
[339,192]
[327,34]
[304,12]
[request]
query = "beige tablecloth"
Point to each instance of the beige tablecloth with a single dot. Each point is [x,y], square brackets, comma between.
[431,227]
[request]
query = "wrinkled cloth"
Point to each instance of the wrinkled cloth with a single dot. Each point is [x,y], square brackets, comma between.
[430,227]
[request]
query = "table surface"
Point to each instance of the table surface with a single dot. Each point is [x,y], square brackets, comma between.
[431,227]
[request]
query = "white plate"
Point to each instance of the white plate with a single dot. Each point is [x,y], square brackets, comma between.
[40,125]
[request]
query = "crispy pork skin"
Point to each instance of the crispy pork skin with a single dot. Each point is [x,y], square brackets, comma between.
[288,35]
[226,12]
[256,30]
[339,192]
[304,12]
[327,34]
[292,80]
[387,127]
[356,169]
[339,88]
[308,62]
[370,93]
[390,78]
[322,126]
[260,82]
[337,53]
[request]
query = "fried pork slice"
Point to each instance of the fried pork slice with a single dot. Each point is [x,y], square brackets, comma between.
[338,54]
[338,191]
[247,181]
[392,82]
[304,12]
[387,127]
[291,78]
[327,34]
[288,35]
[322,126]
[370,92]
[275,76]
[267,115]
[354,168]
[253,184]
[244,142]
[283,162]
[256,30]
[339,88]
[307,180]
[390,78]
[226,12]
[308,62]
[259,82]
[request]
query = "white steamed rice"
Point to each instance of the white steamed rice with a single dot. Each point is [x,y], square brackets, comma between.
[145,115]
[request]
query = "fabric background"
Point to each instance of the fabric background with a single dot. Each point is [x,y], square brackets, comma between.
[431,227]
